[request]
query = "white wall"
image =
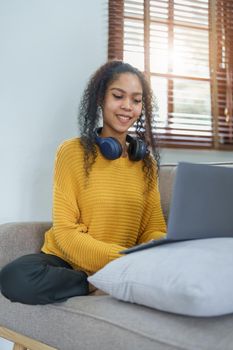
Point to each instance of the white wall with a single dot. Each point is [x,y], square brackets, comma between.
[176,155]
[48,49]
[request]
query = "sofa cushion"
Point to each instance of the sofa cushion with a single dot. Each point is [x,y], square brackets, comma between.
[101,322]
[191,278]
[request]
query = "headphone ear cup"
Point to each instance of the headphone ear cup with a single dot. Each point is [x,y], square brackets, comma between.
[109,147]
[137,150]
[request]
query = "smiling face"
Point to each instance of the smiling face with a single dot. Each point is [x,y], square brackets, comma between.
[122,106]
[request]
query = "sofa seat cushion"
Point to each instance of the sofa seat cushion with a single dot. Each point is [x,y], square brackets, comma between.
[83,322]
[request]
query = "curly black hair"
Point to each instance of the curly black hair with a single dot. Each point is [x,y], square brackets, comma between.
[89,117]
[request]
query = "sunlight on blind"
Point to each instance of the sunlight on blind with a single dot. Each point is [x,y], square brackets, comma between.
[178,65]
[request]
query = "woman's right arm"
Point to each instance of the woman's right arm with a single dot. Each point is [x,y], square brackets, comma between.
[71,235]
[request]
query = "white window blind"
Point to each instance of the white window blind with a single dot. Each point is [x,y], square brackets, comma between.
[185,48]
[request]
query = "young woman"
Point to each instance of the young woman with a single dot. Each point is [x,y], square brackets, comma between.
[105,195]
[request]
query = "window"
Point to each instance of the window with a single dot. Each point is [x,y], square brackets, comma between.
[186,49]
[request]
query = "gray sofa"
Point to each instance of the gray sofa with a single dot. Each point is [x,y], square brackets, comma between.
[98,321]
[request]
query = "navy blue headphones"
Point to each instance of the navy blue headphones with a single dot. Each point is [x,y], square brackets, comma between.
[112,149]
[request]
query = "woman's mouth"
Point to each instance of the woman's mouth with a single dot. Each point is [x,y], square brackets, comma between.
[123,118]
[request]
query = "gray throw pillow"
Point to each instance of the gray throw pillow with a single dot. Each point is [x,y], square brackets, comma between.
[191,278]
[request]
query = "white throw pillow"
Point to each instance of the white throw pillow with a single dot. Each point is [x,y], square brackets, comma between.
[191,278]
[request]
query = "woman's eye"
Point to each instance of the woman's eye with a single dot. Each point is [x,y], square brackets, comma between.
[117,96]
[137,101]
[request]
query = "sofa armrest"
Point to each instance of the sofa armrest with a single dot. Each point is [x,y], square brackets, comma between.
[167,174]
[20,238]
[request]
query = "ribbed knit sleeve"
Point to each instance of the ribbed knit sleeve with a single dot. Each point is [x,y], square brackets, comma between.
[70,234]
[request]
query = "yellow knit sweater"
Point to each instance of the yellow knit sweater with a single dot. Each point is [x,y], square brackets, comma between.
[93,221]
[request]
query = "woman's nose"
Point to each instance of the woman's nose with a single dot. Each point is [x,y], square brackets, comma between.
[126,104]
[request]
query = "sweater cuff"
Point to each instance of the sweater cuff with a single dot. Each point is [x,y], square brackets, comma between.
[155,235]
[115,252]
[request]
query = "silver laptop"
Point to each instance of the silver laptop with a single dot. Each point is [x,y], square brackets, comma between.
[201,205]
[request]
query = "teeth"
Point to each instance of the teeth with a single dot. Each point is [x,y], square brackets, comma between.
[123,117]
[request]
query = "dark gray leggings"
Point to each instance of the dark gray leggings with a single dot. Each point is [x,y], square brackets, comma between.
[41,279]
